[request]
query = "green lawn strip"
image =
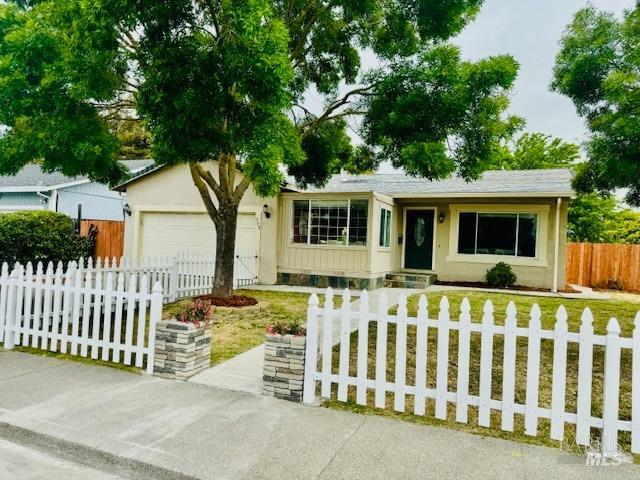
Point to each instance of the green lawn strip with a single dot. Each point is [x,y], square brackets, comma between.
[236,330]
[602,310]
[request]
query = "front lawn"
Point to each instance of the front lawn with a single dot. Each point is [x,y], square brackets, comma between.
[603,310]
[236,330]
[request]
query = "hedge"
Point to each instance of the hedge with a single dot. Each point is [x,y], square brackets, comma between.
[36,236]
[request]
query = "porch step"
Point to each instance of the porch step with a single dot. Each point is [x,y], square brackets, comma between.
[409,280]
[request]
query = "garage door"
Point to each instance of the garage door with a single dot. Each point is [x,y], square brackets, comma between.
[166,234]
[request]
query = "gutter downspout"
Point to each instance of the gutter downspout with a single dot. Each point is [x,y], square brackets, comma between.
[556,247]
[45,197]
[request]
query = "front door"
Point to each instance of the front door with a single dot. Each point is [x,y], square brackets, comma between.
[418,234]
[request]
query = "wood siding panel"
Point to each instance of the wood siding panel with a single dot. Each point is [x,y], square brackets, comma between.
[598,264]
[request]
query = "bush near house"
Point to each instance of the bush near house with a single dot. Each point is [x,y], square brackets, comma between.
[40,236]
[501,276]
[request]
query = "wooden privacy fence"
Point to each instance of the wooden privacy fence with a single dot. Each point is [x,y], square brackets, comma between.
[353,380]
[79,313]
[110,238]
[604,265]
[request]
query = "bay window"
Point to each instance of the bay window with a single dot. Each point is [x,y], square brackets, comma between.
[512,234]
[330,222]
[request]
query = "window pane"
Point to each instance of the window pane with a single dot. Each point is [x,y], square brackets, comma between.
[527,234]
[300,221]
[496,234]
[467,233]
[328,222]
[358,222]
[385,227]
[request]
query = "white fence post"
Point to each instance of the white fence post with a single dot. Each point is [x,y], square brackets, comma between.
[363,349]
[533,373]
[4,286]
[401,355]
[486,368]
[421,356]
[635,388]
[442,363]
[381,353]
[611,394]
[155,315]
[559,379]
[509,368]
[327,344]
[311,355]
[10,318]
[464,344]
[345,345]
[585,379]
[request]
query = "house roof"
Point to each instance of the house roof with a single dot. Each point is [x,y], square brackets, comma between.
[505,183]
[32,178]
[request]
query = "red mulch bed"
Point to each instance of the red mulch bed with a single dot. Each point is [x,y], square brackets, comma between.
[234,301]
[515,287]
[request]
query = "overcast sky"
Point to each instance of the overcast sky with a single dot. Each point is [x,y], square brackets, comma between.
[530,31]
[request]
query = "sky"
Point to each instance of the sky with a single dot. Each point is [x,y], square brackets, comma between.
[530,31]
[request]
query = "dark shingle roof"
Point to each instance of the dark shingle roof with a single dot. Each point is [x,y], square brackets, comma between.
[32,176]
[556,182]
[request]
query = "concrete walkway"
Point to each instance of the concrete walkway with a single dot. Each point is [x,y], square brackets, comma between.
[143,427]
[243,373]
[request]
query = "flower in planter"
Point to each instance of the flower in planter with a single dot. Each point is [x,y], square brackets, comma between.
[286,328]
[199,312]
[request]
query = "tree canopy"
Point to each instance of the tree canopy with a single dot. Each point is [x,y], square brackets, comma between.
[531,151]
[598,68]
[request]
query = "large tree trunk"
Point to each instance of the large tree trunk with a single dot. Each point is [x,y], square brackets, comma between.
[225,252]
[224,214]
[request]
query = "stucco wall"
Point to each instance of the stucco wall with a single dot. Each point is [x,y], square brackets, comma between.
[97,200]
[171,189]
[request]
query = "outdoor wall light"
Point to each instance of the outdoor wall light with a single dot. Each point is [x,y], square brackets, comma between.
[441,216]
[126,209]
[265,210]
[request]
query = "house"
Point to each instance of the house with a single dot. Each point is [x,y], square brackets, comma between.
[361,230]
[33,189]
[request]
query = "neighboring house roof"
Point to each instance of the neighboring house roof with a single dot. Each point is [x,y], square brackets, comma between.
[31,178]
[505,183]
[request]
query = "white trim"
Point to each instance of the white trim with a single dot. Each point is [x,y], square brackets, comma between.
[556,246]
[43,188]
[21,208]
[540,260]
[447,196]
[404,238]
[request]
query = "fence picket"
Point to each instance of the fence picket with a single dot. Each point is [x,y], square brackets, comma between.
[533,373]
[345,345]
[75,318]
[381,353]
[635,388]
[96,320]
[442,363]
[311,353]
[66,308]
[46,309]
[131,305]
[363,349]
[117,323]
[559,381]
[611,394]
[4,286]
[486,369]
[401,355]
[509,368]
[155,315]
[585,367]
[37,307]
[57,305]
[327,343]
[28,295]
[17,311]
[108,304]
[464,344]
[86,314]
[142,319]
[10,322]
[421,356]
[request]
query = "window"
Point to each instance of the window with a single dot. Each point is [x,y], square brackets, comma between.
[511,234]
[330,222]
[385,227]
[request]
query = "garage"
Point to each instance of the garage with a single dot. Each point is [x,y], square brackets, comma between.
[164,234]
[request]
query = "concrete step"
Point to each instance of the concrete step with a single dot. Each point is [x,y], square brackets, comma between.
[409,280]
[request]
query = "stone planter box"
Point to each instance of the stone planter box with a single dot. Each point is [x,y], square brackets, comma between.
[283,375]
[182,349]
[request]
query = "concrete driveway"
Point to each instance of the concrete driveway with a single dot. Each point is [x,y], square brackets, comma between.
[153,428]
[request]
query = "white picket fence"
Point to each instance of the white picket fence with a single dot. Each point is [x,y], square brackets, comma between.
[320,322]
[184,275]
[80,313]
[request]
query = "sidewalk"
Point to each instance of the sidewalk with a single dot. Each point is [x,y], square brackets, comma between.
[210,433]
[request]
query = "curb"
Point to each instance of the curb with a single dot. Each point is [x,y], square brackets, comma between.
[88,456]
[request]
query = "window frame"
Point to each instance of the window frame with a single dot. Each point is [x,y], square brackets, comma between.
[386,216]
[542,231]
[516,239]
[348,243]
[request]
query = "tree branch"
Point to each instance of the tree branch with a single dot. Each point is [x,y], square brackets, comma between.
[241,189]
[311,125]
[196,171]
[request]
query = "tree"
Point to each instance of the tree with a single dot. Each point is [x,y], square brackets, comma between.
[598,68]
[533,151]
[227,81]
[590,217]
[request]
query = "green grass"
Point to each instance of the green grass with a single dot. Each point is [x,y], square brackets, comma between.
[624,311]
[236,330]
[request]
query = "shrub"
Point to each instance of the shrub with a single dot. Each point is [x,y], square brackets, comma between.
[501,276]
[40,236]
[199,312]
[286,328]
